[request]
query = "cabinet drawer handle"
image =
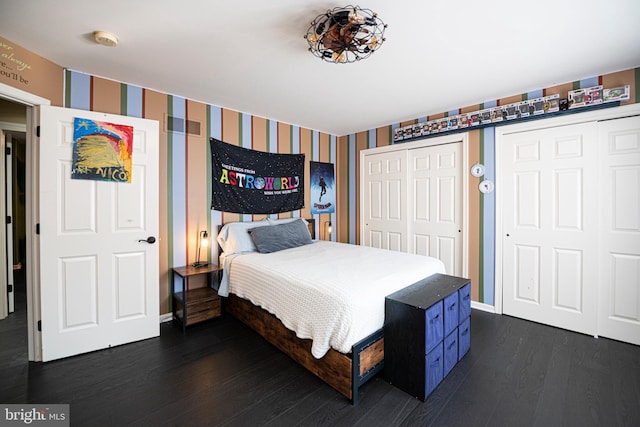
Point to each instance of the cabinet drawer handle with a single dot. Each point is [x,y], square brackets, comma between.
[435,362]
[466,297]
[466,331]
[452,306]
[435,318]
[451,345]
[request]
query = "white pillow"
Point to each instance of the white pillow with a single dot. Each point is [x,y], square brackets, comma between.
[234,237]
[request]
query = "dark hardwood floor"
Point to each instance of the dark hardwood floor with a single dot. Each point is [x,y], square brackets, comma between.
[220,373]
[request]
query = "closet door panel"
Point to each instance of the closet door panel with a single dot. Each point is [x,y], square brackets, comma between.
[619,252]
[550,226]
[412,200]
[435,219]
[384,203]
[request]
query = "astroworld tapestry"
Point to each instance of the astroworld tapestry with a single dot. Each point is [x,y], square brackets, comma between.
[323,194]
[101,151]
[255,182]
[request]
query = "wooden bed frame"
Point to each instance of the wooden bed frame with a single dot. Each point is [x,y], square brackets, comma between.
[344,372]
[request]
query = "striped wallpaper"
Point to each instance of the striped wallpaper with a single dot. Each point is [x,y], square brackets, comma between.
[185,159]
[482,207]
[185,185]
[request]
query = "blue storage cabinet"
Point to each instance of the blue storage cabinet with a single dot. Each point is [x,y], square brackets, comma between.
[426,332]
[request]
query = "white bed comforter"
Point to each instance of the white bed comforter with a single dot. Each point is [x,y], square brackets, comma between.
[332,293]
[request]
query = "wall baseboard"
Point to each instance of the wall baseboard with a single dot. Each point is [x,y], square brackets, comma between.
[483,307]
[168,316]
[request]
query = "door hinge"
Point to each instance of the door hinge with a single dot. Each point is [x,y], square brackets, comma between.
[8,220]
[9,288]
[38,228]
[39,325]
[38,131]
[7,151]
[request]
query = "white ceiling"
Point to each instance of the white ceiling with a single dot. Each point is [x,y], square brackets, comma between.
[251,56]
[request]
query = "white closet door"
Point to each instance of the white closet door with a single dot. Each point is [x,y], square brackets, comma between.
[384,207]
[619,284]
[435,193]
[550,226]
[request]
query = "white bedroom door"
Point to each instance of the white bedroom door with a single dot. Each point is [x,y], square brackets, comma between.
[435,198]
[619,251]
[550,226]
[385,204]
[98,258]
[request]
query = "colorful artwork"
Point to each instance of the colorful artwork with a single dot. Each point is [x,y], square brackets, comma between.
[256,182]
[323,195]
[101,151]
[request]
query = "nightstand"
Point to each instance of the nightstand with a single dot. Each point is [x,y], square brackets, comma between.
[196,305]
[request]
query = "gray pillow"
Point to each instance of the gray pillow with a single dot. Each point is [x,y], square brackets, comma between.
[273,238]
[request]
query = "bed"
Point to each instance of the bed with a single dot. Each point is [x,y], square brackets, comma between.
[320,302]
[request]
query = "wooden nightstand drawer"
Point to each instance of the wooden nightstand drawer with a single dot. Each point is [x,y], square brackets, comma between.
[202,304]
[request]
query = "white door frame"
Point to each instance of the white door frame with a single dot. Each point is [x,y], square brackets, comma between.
[31,208]
[462,137]
[5,268]
[501,131]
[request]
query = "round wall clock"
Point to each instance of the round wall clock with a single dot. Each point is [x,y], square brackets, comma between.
[486,186]
[477,170]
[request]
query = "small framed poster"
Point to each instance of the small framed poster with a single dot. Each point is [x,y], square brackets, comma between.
[323,188]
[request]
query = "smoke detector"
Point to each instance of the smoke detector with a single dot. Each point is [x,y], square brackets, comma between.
[105,38]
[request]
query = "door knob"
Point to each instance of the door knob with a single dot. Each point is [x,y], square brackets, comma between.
[149,240]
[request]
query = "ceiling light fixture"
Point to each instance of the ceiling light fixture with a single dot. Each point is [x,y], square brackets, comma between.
[345,34]
[105,38]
